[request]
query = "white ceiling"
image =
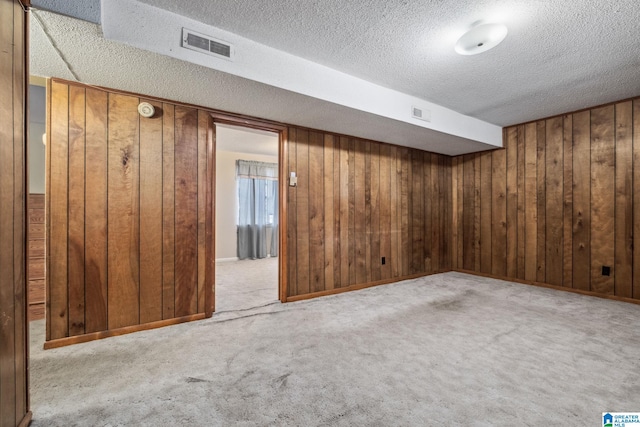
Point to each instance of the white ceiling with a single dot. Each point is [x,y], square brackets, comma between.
[246,140]
[57,41]
[558,56]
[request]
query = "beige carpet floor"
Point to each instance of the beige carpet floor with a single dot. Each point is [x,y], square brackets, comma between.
[448,349]
[246,284]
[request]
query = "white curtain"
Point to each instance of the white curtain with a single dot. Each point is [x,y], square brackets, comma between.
[258,208]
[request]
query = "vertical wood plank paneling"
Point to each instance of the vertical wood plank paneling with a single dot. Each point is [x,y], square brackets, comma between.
[8,350]
[361,201]
[405,209]
[168,211]
[520,221]
[457,211]
[360,213]
[186,211]
[95,267]
[316,212]
[441,214]
[623,269]
[123,211]
[346,249]
[553,201]
[329,182]
[19,206]
[210,218]
[394,211]
[460,196]
[602,198]
[531,201]
[76,209]
[436,203]
[57,220]
[151,216]
[442,221]
[13,334]
[385,210]
[337,209]
[352,211]
[468,213]
[582,200]
[302,205]
[477,206]
[145,214]
[541,268]
[292,213]
[430,201]
[417,212]
[512,201]
[20,48]
[567,168]
[376,262]
[446,214]
[367,210]
[203,133]
[498,213]
[576,201]
[485,212]
[636,198]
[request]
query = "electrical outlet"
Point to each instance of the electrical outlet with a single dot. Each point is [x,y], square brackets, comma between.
[606,270]
[384,261]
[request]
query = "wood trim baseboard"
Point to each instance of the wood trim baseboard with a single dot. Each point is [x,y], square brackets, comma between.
[548,286]
[223,260]
[61,342]
[26,420]
[359,286]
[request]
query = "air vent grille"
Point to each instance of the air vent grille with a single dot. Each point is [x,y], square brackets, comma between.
[197,41]
[421,114]
[220,49]
[206,44]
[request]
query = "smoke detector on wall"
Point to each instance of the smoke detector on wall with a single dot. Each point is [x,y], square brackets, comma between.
[146,110]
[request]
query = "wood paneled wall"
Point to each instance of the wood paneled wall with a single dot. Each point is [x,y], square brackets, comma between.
[14,392]
[36,259]
[357,201]
[559,203]
[127,211]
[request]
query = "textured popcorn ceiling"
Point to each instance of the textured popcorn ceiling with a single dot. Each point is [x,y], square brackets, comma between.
[87,10]
[559,56]
[97,61]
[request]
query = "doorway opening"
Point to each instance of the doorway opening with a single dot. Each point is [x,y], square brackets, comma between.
[36,198]
[247,238]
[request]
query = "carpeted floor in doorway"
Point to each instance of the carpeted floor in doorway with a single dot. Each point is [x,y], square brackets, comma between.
[246,284]
[448,349]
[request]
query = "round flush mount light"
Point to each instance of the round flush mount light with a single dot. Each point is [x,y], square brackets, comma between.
[481,38]
[146,110]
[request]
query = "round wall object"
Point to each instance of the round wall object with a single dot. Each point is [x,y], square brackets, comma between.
[146,110]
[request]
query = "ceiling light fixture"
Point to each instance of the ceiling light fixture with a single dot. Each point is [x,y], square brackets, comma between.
[481,38]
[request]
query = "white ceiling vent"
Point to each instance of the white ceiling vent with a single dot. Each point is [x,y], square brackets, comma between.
[207,44]
[421,114]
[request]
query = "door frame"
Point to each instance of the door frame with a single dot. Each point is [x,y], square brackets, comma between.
[282,131]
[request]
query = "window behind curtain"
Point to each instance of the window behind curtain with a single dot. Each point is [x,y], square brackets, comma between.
[257,208]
